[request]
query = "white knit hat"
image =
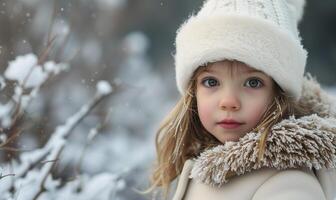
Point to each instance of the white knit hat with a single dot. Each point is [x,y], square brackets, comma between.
[261,33]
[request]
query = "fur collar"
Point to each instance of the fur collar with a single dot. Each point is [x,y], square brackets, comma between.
[309,141]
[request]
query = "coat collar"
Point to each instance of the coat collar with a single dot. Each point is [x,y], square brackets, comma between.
[309,141]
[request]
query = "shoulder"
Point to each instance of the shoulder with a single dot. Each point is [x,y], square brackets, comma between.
[290,184]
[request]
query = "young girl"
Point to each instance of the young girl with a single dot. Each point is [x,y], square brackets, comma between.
[248,124]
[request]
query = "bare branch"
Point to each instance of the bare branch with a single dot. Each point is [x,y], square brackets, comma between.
[3,176]
[91,135]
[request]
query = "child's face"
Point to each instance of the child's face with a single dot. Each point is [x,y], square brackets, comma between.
[226,92]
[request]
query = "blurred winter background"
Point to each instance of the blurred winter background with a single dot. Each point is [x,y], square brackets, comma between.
[87,50]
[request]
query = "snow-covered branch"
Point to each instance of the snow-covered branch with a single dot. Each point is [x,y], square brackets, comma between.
[55,145]
[29,73]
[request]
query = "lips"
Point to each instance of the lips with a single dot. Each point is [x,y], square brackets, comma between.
[229,124]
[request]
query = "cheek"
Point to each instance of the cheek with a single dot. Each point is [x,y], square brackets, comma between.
[256,113]
[204,109]
[256,110]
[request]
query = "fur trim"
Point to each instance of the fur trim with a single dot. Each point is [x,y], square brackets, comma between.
[309,141]
[317,99]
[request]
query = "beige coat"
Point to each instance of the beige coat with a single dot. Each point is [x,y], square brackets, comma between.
[299,162]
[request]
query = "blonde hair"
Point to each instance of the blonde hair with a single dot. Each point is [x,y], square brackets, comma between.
[181,135]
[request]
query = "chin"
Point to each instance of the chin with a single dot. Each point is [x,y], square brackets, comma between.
[229,139]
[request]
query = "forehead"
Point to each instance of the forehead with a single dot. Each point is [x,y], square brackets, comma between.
[234,67]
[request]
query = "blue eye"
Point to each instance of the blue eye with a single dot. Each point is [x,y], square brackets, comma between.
[210,82]
[254,83]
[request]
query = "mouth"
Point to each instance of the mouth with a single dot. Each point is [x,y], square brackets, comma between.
[229,124]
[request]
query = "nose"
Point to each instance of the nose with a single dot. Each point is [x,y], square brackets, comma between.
[230,101]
